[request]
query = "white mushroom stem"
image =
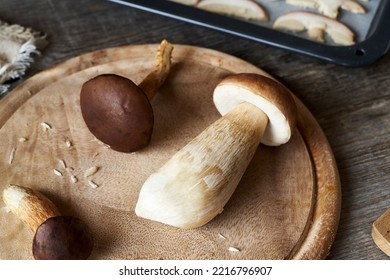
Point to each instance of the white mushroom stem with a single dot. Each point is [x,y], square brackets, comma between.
[196,183]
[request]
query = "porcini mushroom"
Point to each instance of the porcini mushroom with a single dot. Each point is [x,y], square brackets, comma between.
[246,9]
[56,237]
[330,8]
[117,111]
[195,184]
[316,25]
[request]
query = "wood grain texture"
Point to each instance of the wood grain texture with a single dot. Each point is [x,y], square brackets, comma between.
[350,104]
[269,216]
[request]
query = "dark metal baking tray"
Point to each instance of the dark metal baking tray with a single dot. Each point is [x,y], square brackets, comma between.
[370,47]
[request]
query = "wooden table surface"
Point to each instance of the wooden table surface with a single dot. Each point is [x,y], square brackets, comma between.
[350,104]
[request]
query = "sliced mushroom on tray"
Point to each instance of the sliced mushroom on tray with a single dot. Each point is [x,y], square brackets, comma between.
[330,8]
[196,183]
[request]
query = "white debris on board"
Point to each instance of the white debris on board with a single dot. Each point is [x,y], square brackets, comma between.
[92,184]
[62,163]
[234,249]
[221,236]
[74,179]
[62,167]
[68,143]
[57,172]
[45,126]
[90,171]
[12,155]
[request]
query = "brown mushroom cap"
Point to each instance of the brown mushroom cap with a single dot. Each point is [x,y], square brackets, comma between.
[117,112]
[270,96]
[62,238]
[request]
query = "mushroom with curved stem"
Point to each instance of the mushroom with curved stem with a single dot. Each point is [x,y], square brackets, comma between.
[117,111]
[194,185]
[56,237]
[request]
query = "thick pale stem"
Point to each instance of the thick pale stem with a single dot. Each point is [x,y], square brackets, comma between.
[28,205]
[196,183]
[156,78]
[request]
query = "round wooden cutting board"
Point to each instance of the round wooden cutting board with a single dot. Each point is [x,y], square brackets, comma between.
[286,206]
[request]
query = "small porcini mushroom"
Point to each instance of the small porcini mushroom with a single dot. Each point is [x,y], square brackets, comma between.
[330,8]
[117,111]
[246,9]
[316,25]
[195,184]
[56,237]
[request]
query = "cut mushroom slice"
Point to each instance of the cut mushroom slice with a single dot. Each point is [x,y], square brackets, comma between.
[316,26]
[274,100]
[246,9]
[186,2]
[329,8]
